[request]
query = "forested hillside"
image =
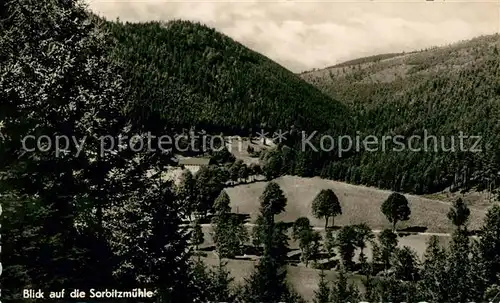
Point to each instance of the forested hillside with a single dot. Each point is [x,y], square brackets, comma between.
[187,74]
[184,74]
[441,90]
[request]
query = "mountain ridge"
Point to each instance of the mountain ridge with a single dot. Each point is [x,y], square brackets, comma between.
[189,74]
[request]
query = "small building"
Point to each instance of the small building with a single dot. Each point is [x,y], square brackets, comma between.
[194,164]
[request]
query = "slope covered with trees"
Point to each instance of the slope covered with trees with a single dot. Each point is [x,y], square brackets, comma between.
[185,73]
[442,91]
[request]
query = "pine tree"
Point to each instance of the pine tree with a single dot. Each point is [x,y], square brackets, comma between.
[490,243]
[186,193]
[197,237]
[258,232]
[272,201]
[459,213]
[434,272]
[458,274]
[200,281]
[329,243]
[363,234]
[220,289]
[391,289]
[229,235]
[150,242]
[405,264]
[370,285]
[234,170]
[346,241]
[222,203]
[67,87]
[388,243]
[266,283]
[322,294]
[211,284]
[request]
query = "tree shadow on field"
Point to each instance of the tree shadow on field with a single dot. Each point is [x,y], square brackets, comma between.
[411,230]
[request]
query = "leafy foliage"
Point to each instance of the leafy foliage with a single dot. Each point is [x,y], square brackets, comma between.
[79,211]
[209,183]
[69,215]
[346,240]
[55,81]
[325,205]
[299,226]
[272,200]
[459,213]
[396,209]
[342,291]
[323,293]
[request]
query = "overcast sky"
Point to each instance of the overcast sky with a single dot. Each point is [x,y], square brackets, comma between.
[302,35]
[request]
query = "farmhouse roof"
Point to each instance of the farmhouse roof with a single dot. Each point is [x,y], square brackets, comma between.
[194,161]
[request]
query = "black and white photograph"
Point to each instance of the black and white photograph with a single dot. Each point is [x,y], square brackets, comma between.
[250,151]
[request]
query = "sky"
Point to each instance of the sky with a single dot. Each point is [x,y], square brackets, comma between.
[306,34]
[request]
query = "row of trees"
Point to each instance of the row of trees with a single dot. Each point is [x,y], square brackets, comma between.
[67,216]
